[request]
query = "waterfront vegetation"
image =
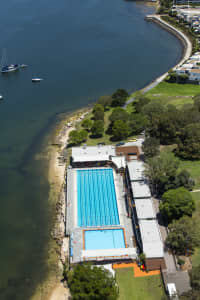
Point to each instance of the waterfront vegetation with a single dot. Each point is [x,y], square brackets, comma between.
[89,282]
[137,288]
[108,122]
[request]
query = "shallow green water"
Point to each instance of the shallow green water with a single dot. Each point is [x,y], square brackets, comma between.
[82,49]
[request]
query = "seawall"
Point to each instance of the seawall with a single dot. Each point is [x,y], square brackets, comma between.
[187,47]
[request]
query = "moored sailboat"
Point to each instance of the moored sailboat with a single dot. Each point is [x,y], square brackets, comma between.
[5,67]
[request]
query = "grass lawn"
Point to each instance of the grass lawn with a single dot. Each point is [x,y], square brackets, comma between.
[140,288]
[196,255]
[194,168]
[174,89]
[172,93]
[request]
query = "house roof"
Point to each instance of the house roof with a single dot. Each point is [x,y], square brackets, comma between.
[151,238]
[92,153]
[195,71]
[145,209]
[136,170]
[119,161]
[140,189]
[128,151]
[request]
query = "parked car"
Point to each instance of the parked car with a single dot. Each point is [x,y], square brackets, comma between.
[132,140]
[171,288]
[101,144]
[120,144]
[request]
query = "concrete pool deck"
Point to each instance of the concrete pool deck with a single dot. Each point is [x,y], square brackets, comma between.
[76,233]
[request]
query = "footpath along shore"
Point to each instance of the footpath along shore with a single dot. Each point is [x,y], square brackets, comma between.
[187,46]
[57,170]
[187,51]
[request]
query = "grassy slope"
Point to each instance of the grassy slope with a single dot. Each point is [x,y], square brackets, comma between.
[194,168]
[196,255]
[173,89]
[143,288]
[176,94]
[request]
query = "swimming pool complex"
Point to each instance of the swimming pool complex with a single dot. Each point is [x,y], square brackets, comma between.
[96,197]
[104,239]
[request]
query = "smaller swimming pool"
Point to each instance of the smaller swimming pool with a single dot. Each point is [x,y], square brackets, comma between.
[104,239]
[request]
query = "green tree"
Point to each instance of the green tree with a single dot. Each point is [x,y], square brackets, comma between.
[119,97]
[163,122]
[76,137]
[97,107]
[97,128]
[195,278]
[183,236]
[87,124]
[150,147]
[172,78]
[105,101]
[183,78]
[119,114]
[161,171]
[140,102]
[190,295]
[137,123]
[83,135]
[177,203]
[184,179]
[189,142]
[98,112]
[120,130]
[88,282]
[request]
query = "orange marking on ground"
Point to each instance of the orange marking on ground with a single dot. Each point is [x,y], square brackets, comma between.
[122,266]
[137,272]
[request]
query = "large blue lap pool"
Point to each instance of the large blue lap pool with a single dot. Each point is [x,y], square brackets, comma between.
[104,239]
[96,197]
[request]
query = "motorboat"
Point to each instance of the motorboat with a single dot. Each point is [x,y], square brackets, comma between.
[1,97]
[36,79]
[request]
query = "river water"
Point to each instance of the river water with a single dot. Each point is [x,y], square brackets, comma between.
[82,49]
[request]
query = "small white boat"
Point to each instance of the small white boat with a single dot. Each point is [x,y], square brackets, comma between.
[1,97]
[36,79]
[23,66]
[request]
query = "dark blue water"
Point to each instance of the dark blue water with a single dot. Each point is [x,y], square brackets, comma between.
[82,49]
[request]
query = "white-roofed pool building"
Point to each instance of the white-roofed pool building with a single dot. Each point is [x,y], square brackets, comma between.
[109,210]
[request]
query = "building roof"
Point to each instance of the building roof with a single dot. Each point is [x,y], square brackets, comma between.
[128,151]
[92,153]
[195,71]
[119,161]
[110,253]
[151,239]
[136,170]
[145,209]
[140,189]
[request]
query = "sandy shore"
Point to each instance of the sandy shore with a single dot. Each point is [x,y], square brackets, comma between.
[57,249]
[57,171]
